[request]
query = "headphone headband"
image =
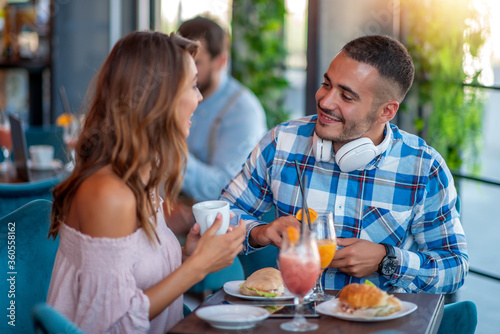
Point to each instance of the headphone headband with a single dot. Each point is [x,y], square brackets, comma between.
[352,155]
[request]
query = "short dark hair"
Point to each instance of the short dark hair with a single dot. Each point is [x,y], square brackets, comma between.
[205,29]
[387,55]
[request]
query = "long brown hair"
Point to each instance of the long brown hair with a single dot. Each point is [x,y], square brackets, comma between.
[132,121]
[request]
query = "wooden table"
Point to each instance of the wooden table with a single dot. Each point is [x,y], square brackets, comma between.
[425,319]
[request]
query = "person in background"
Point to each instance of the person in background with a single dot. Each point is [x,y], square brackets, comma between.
[227,124]
[392,195]
[119,268]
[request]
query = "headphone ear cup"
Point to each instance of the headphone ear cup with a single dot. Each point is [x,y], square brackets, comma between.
[326,152]
[322,149]
[355,154]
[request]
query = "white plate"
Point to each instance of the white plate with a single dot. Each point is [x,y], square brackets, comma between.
[330,308]
[233,288]
[232,316]
[54,164]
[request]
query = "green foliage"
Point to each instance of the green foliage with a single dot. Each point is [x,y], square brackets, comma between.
[258,53]
[441,36]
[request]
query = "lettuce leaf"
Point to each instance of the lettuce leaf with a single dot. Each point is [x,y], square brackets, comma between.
[262,293]
[369,283]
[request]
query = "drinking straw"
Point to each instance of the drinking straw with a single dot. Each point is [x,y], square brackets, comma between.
[305,209]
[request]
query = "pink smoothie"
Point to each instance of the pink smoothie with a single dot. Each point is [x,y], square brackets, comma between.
[299,274]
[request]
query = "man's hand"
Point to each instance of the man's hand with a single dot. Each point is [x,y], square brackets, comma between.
[358,258]
[272,233]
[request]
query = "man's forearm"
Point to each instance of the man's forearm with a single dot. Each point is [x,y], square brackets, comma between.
[430,272]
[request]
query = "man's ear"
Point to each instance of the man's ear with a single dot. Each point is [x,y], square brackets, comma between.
[389,110]
[221,61]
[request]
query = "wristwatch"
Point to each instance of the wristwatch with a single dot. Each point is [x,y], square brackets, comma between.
[389,263]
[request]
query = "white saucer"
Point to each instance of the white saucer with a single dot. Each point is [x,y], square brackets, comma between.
[232,316]
[54,164]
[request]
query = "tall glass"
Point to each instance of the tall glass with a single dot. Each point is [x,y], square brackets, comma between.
[5,140]
[71,130]
[324,229]
[300,266]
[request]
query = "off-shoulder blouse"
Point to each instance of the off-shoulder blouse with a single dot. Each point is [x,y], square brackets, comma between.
[98,283]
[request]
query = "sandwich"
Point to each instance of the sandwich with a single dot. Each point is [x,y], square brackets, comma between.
[266,282]
[367,300]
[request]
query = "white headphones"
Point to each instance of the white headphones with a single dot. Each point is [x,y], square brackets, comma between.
[353,155]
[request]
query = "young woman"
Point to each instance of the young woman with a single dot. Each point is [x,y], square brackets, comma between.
[119,269]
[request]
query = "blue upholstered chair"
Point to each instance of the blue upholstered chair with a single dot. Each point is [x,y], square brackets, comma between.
[47,320]
[32,257]
[459,318]
[15,195]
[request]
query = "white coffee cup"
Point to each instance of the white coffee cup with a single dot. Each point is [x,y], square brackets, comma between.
[205,213]
[42,155]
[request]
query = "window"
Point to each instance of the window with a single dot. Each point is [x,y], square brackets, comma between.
[174,12]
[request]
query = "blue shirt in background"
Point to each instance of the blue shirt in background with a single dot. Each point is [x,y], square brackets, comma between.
[217,152]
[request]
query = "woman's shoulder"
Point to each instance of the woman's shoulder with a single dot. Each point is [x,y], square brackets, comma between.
[104,206]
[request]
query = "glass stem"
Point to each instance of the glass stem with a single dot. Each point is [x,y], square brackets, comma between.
[319,287]
[298,318]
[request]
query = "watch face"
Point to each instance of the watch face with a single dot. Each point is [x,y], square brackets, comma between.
[389,267]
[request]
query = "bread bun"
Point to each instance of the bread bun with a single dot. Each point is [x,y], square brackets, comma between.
[264,282]
[368,300]
[362,295]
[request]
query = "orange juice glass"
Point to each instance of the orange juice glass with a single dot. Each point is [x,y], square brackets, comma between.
[326,248]
[324,229]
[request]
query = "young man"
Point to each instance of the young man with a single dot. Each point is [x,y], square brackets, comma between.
[392,195]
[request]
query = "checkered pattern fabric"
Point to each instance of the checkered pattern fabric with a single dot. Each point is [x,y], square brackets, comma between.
[405,197]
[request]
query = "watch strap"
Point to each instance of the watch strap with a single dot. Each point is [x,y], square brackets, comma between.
[390,254]
[389,250]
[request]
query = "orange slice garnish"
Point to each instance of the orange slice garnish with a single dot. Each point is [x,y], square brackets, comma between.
[313,214]
[65,119]
[293,234]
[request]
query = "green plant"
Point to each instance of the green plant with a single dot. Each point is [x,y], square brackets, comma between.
[441,36]
[258,53]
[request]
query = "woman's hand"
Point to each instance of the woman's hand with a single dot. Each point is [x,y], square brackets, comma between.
[192,239]
[213,252]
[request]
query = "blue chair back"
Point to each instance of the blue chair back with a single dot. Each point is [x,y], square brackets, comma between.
[27,261]
[15,195]
[459,318]
[47,320]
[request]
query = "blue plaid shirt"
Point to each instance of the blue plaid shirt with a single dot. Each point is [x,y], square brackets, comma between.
[405,197]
